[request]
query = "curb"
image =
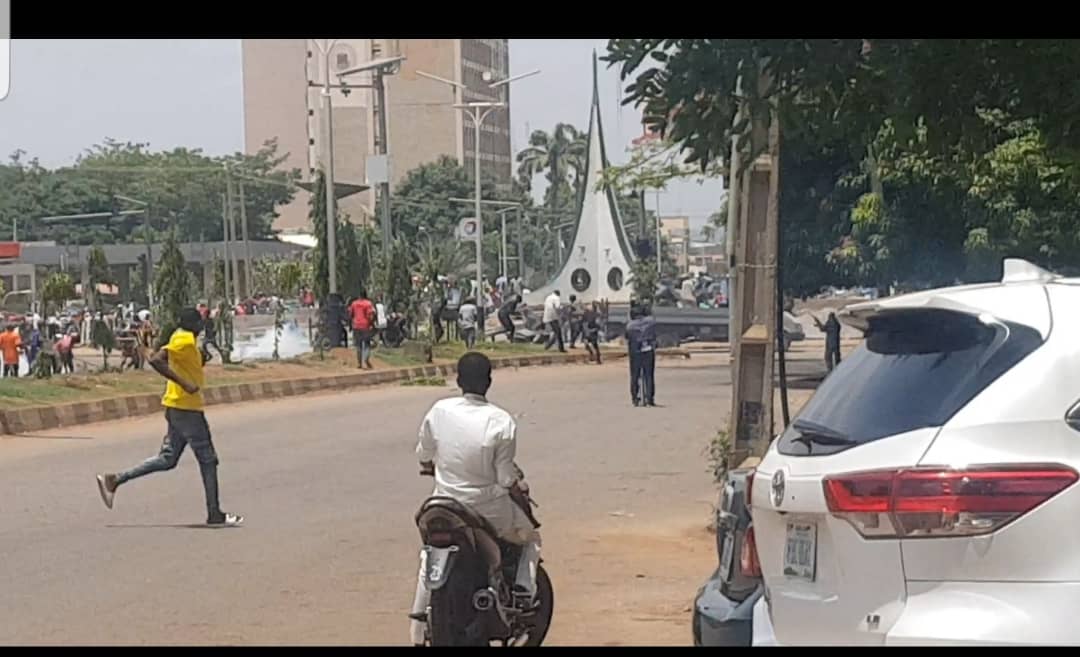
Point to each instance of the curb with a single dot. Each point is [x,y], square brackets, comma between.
[42,418]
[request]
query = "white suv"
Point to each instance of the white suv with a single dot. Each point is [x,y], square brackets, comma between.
[926,493]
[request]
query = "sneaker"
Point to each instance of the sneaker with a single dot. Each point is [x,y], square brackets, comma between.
[106,484]
[226,520]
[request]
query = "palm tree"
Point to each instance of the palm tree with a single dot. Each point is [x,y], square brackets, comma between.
[557,155]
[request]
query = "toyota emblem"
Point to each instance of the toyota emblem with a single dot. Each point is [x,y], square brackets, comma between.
[778,488]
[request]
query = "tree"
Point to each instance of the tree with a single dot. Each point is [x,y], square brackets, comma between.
[320,284]
[99,274]
[422,200]
[398,289]
[351,277]
[183,188]
[558,155]
[644,278]
[909,161]
[57,288]
[171,287]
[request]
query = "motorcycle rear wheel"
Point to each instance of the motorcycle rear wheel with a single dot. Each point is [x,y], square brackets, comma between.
[451,612]
[540,621]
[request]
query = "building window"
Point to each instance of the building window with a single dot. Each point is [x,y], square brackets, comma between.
[311,112]
[311,141]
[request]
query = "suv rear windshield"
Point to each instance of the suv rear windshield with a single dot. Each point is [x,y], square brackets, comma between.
[916,369]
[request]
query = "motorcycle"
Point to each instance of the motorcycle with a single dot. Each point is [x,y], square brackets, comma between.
[469,572]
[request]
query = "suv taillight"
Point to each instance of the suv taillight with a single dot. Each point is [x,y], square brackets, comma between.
[929,502]
[749,565]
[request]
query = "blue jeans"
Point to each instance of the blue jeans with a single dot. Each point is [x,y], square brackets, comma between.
[184,427]
[362,340]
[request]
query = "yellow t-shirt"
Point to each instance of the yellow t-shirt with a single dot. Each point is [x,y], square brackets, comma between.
[187,362]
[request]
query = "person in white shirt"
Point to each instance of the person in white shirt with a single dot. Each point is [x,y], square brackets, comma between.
[471,444]
[552,305]
[467,322]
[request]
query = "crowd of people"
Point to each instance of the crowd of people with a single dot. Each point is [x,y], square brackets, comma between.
[29,339]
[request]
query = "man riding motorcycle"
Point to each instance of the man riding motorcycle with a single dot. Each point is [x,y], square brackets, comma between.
[470,444]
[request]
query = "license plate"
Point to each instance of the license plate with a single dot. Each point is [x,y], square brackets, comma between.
[800,551]
[727,555]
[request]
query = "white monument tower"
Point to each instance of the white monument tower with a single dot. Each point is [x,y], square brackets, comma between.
[597,264]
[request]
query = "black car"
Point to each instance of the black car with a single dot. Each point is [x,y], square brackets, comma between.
[723,609]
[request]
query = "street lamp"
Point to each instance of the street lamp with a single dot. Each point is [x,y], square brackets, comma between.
[477,111]
[379,68]
[506,206]
[328,164]
[146,236]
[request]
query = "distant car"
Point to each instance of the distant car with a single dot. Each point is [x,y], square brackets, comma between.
[927,493]
[723,609]
[793,330]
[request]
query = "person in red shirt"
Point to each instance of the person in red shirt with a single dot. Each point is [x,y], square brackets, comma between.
[362,314]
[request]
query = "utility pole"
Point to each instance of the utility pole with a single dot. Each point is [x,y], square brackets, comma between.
[230,202]
[149,258]
[384,144]
[658,258]
[752,324]
[247,245]
[225,242]
[520,252]
[328,164]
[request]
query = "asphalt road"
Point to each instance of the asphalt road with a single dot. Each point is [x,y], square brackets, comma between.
[329,486]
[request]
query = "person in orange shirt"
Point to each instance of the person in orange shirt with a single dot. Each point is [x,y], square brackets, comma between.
[10,346]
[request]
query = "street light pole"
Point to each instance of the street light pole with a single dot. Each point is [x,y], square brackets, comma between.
[146,238]
[379,69]
[478,111]
[502,219]
[328,166]
[384,143]
[658,258]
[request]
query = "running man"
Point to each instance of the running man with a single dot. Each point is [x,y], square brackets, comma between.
[181,362]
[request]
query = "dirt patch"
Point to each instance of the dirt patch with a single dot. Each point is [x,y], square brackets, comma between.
[632,586]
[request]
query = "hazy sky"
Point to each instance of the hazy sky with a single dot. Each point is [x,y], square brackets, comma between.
[69,94]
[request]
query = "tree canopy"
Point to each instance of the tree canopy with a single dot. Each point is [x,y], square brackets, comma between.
[916,161]
[182,186]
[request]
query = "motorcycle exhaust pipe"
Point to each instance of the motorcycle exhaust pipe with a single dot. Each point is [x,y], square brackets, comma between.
[484,600]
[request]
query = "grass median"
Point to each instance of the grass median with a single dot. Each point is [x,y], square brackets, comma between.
[93,385]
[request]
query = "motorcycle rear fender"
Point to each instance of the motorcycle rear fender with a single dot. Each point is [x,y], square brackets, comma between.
[436,563]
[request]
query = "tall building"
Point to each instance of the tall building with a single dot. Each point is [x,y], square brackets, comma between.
[422,122]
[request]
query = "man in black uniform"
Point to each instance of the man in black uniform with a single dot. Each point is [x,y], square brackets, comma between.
[831,328]
[641,342]
[509,306]
[590,325]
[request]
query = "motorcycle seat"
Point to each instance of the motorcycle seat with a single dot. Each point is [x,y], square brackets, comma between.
[471,518]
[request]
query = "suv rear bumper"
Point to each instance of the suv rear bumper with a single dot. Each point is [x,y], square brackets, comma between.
[763,634]
[988,613]
[972,613]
